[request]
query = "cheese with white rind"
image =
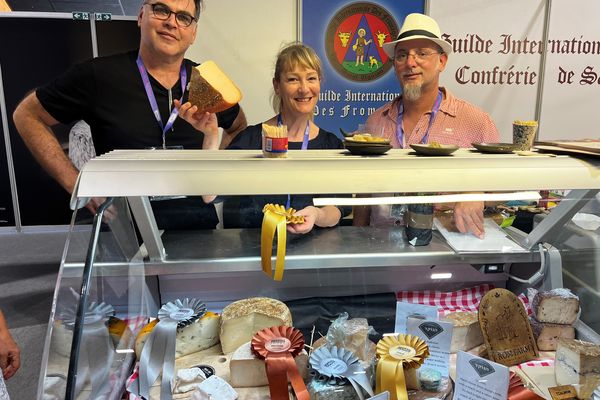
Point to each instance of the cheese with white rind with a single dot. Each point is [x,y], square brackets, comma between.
[199,335]
[556,306]
[214,388]
[187,379]
[466,331]
[247,370]
[241,319]
[547,335]
[211,90]
[577,363]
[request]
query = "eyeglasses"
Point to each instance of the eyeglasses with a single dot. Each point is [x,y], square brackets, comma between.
[419,56]
[162,12]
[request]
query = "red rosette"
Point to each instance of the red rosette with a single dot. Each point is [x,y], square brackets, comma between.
[278,346]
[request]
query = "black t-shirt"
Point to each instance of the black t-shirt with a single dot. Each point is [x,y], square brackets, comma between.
[108,93]
[246,211]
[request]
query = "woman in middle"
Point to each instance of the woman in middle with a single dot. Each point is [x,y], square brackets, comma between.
[296,85]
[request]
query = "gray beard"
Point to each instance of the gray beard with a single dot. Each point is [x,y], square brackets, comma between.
[411,92]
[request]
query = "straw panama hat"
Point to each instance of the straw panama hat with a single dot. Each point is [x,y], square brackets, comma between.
[418,26]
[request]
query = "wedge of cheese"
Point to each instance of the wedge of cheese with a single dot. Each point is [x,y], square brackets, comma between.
[547,335]
[214,388]
[556,306]
[241,319]
[466,332]
[211,90]
[577,363]
[247,370]
[201,334]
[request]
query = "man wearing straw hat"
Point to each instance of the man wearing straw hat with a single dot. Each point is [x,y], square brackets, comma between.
[426,112]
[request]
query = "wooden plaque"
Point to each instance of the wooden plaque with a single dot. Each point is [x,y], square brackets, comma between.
[506,330]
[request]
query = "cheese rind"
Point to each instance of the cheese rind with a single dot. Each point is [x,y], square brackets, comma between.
[243,318]
[556,306]
[466,331]
[547,335]
[214,388]
[577,363]
[247,370]
[211,90]
[199,335]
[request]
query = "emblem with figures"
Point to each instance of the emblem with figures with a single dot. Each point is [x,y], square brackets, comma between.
[354,41]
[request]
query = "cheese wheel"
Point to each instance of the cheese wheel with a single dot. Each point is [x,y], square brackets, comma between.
[211,90]
[200,335]
[577,363]
[466,331]
[62,336]
[247,370]
[241,319]
[556,306]
[547,335]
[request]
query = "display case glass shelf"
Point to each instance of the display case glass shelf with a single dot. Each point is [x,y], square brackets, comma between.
[119,267]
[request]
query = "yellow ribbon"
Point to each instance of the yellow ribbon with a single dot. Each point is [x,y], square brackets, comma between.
[272,222]
[397,353]
[275,219]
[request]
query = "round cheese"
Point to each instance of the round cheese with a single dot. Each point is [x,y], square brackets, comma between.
[200,335]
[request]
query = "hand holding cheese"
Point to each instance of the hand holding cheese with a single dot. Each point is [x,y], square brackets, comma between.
[211,90]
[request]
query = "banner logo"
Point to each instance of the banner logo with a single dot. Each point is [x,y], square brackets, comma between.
[354,41]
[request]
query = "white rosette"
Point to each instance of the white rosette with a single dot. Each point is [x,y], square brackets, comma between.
[159,351]
[337,366]
[96,349]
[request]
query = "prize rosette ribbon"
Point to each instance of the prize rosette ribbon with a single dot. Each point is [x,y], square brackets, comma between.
[396,355]
[275,218]
[159,351]
[96,349]
[278,346]
[336,364]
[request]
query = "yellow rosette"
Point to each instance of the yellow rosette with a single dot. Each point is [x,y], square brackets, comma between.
[276,217]
[396,355]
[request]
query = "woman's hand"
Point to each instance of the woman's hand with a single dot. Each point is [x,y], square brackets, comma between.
[204,122]
[310,215]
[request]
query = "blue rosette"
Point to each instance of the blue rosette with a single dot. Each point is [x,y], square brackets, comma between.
[336,366]
[158,354]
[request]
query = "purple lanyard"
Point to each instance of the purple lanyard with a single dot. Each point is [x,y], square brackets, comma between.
[152,98]
[304,147]
[400,129]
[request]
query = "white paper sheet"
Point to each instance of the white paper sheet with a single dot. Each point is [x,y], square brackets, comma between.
[495,239]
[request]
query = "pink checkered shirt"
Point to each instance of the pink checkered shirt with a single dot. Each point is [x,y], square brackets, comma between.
[458,122]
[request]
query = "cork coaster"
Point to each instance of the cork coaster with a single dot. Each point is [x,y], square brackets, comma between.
[506,330]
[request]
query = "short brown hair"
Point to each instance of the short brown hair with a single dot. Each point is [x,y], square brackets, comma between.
[291,56]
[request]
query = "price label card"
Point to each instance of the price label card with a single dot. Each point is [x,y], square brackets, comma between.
[405,310]
[480,379]
[438,336]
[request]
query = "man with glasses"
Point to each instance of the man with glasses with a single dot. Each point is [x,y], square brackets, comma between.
[426,113]
[132,101]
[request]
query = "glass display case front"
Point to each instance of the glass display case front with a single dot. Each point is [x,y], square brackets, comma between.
[144,307]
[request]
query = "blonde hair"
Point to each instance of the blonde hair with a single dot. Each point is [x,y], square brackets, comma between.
[291,56]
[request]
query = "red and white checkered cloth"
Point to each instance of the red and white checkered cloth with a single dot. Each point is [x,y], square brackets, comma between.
[549,362]
[447,302]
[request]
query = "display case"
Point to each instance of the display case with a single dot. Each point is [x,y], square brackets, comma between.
[119,269]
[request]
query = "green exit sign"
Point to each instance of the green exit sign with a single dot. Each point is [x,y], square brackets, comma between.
[81,16]
[103,16]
